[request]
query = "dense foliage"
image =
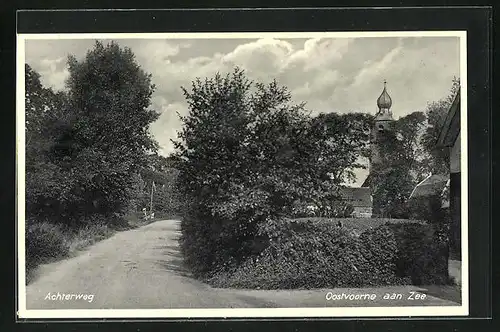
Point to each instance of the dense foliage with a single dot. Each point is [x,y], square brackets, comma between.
[156,188]
[88,148]
[109,139]
[86,145]
[45,241]
[316,253]
[246,155]
[46,182]
[399,170]
[422,253]
[437,158]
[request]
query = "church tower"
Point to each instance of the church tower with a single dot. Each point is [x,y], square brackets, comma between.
[382,125]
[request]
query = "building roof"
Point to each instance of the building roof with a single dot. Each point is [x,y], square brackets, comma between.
[384,100]
[357,197]
[384,103]
[368,181]
[431,185]
[451,126]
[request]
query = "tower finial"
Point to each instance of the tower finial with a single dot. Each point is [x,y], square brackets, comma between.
[384,101]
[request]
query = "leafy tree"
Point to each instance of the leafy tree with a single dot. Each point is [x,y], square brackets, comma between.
[400,169]
[438,158]
[342,140]
[139,197]
[108,140]
[45,115]
[166,198]
[211,162]
[246,154]
[47,185]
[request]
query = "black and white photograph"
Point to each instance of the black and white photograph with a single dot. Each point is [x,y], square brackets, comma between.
[181,175]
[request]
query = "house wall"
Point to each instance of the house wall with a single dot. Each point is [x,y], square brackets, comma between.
[455,210]
[455,156]
[455,204]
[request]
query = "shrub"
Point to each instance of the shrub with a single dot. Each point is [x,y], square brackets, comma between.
[422,253]
[45,242]
[358,225]
[427,208]
[378,252]
[246,153]
[316,254]
[196,243]
[210,242]
[95,229]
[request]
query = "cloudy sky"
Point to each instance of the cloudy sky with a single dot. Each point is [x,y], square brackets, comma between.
[329,74]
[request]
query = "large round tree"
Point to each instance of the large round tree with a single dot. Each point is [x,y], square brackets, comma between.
[109,140]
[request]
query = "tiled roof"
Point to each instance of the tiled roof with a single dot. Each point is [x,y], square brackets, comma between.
[357,197]
[431,185]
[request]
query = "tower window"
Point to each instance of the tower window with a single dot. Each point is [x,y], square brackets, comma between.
[380,128]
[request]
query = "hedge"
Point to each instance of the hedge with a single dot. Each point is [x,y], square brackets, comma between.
[45,242]
[209,244]
[422,254]
[312,253]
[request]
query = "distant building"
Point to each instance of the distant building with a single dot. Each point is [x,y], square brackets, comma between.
[434,184]
[449,137]
[382,126]
[427,196]
[360,199]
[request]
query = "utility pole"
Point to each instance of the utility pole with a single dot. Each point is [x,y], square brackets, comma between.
[151,204]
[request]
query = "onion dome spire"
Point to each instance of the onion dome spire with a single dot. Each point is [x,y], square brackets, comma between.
[384,101]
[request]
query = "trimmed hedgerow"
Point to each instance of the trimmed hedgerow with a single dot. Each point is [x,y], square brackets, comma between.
[422,254]
[316,253]
[359,225]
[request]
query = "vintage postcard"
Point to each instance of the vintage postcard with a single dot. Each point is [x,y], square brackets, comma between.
[212,175]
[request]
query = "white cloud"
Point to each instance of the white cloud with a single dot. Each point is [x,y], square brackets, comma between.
[317,53]
[374,70]
[262,56]
[54,72]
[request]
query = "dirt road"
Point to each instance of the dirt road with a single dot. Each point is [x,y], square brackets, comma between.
[142,269]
